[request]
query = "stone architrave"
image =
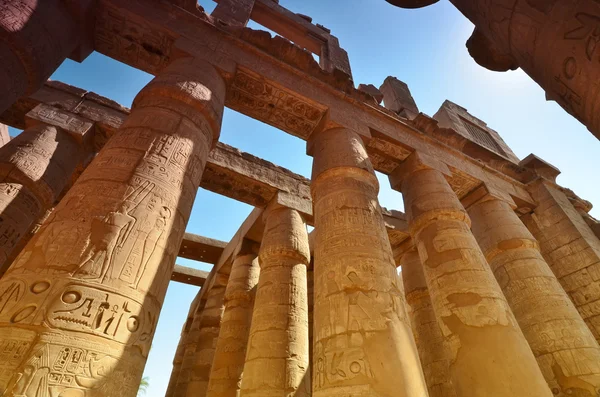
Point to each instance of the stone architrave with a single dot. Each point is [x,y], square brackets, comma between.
[79,305]
[230,351]
[35,168]
[277,356]
[489,354]
[35,38]
[570,248]
[363,343]
[565,348]
[433,347]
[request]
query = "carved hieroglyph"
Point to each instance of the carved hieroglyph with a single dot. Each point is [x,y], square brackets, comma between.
[363,344]
[35,38]
[80,303]
[565,348]
[35,167]
[489,354]
[230,351]
[431,343]
[277,355]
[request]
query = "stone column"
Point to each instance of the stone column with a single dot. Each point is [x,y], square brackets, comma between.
[277,356]
[195,308]
[201,343]
[363,344]
[489,354]
[565,348]
[230,352]
[35,38]
[79,305]
[35,168]
[433,348]
[569,247]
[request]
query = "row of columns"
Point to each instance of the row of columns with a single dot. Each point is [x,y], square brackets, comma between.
[80,303]
[456,285]
[489,316]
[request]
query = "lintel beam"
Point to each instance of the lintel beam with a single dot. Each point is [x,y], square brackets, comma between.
[201,249]
[187,275]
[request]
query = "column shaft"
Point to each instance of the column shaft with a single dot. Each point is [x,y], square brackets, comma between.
[200,347]
[79,305]
[570,248]
[432,345]
[191,323]
[230,351]
[489,355]
[35,167]
[35,38]
[363,344]
[277,356]
[565,348]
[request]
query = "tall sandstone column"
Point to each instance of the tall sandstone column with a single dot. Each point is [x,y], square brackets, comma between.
[230,352]
[432,345]
[35,38]
[190,323]
[489,354]
[35,168]
[277,357]
[565,348]
[569,247]
[79,306]
[363,343]
[201,341]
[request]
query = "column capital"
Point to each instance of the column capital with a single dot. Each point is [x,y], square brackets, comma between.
[417,161]
[193,83]
[487,192]
[285,234]
[337,148]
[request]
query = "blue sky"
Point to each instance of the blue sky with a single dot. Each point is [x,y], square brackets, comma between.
[426,49]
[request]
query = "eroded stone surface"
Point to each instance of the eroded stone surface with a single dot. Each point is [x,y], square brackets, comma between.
[489,354]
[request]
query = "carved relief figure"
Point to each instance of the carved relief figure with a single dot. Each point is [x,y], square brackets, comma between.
[110,233]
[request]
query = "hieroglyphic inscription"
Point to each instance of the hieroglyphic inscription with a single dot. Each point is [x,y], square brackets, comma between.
[131,41]
[69,122]
[104,313]
[274,105]
[55,368]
